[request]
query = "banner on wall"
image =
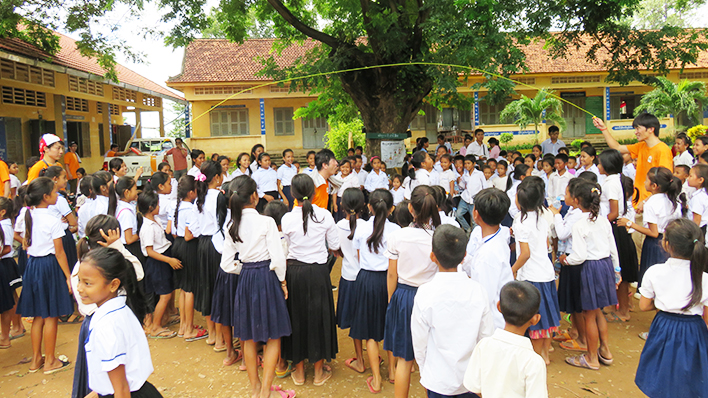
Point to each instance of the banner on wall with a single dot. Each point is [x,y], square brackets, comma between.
[392,153]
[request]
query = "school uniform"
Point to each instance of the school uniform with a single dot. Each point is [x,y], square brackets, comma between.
[684,158]
[167,208]
[376,180]
[15,182]
[698,204]
[472,183]
[194,171]
[209,257]
[397,195]
[185,278]
[445,219]
[629,170]
[626,250]
[9,265]
[285,175]
[238,172]
[159,275]
[569,279]
[350,269]
[267,181]
[505,365]
[260,313]
[593,168]
[594,247]
[127,218]
[688,191]
[538,270]
[350,181]
[557,186]
[310,302]
[20,229]
[450,316]
[658,210]
[487,262]
[44,290]
[446,177]
[116,338]
[83,215]
[370,291]
[362,175]
[422,177]
[7,299]
[411,247]
[173,192]
[59,210]
[434,178]
[673,362]
[226,282]
[500,182]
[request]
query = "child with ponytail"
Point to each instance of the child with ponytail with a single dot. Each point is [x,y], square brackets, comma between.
[117,352]
[594,247]
[161,184]
[698,204]
[352,205]
[10,278]
[371,294]
[46,291]
[409,266]
[63,211]
[85,211]
[121,199]
[259,310]
[419,174]
[673,362]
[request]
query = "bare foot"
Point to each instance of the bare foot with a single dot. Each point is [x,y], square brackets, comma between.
[356,365]
[326,375]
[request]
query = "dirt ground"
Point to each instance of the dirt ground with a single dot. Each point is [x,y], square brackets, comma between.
[195,370]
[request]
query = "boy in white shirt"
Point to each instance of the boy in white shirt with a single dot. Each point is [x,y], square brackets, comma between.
[681,172]
[472,183]
[505,364]
[558,181]
[450,315]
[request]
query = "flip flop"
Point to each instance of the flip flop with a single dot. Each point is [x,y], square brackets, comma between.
[18,336]
[297,383]
[603,360]
[643,335]
[203,334]
[614,318]
[222,349]
[283,393]
[64,365]
[5,347]
[327,371]
[348,363]
[370,380]
[572,345]
[161,336]
[173,320]
[286,372]
[580,362]
[564,336]
[40,366]
[239,356]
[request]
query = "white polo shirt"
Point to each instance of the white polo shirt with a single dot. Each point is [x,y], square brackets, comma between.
[286,174]
[45,228]
[369,260]
[125,213]
[310,248]
[152,234]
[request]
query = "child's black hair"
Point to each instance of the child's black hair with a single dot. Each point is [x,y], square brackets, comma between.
[275,209]
[669,185]
[539,147]
[704,156]
[397,177]
[185,185]
[471,158]
[260,158]
[701,171]
[51,172]
[563,149]
[458,157]
[323,157]
[303,189]
[401,215]
[588,196]
[210,170]
[148,201]
[687,241]
[530,156]
[162,166]
[112,265]
[520,170]
[449,245]
[553,129]
[243,188]
[425,206]
[442,199]
[492,205]
[97,224]
[549,161]
[354,205]
[588,176]
[36,190]
[157,179]
[19,201]
[195,154]
[82,171]
[116,191]
[254,149]
[7,205]
[417,161]
[285,152]
[381,202]
[519,302]
[530,195]
[590,151]
[562,157]
[683,167]
[647,120]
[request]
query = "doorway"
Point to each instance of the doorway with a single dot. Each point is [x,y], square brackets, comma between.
[313,131]
[574,117]
[79,132]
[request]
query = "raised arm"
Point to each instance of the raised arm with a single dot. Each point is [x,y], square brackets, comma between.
[611,141]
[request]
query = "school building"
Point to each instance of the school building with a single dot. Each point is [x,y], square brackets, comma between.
[232,110]
[66,94]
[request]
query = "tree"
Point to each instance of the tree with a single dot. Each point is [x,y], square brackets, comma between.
[526,111]
[337,137]
[685,99]
[655,14]
[178,124]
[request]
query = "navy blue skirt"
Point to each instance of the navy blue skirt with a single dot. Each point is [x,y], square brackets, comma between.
[159,276]
[7,300]
[12,272]
[69,248]
[81,375]
[569,288]
[208,264]
[397,333]
[22,260]
[222,303]
[674,361]
[288,196]
[627,253]
[187,253]
[146,391]
[345,303]
[45,293]
[371,300]
[598,289]
[652,253]
[549,309]
[260,312]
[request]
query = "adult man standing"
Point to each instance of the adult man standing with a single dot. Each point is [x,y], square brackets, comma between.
[552,144]
[477,147]
[179,157]
[72,162]
[327,166]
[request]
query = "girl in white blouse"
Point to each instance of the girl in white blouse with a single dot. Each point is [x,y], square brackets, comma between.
[420,173]
[588,160]
[267,180]
[242,161]
[678,289]
[124,210]
[198,158]
[698,203]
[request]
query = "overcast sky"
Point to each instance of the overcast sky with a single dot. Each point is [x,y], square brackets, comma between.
[161,62]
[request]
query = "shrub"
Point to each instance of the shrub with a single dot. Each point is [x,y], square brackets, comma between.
[338,135]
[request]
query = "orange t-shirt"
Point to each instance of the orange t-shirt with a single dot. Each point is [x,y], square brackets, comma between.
[321,198]
[4,172]
[34,171]
[72,162]
[657,156]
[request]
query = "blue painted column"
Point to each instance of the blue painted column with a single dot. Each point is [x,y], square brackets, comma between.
[476,109]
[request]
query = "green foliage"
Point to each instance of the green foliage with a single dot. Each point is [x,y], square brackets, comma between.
[668,98]
[668,140]
[530,111]
[178,124]
[337,137]
[506,138]
[520,147]
[576,144]
[655,14]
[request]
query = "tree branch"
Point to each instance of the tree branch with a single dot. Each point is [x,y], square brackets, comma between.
[304,29]
[417,41]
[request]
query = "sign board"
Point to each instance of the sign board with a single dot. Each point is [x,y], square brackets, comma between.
[476,108]
[262,102]
[579,94]
[386,136]
[75,117]
[392,153]
[607,104]
[621,128]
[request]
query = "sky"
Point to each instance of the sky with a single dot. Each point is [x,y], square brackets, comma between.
[161,61]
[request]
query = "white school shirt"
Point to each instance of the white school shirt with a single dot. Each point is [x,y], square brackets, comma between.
[669,284]
[253,167]
[487,262]
[699,205]
[267,180]
[369,260]
[116,338]
[308,170]
[478,150]
[450,316]
[445,219]
[612,190]
[9,234]
[411,247]
[564,228]
[61,209]
[20,221]
[286,174]
[558,183]
[445,178]
[684,158]
[153,234]
[350,261]
[173,193]
[15,182]
[658,210]
[374,181]
[187,218]
[505,365]
[500,182]
[434,178]
[689,191]
[194,171]
[594,170]
[238,173]
[208,223]
[437,167]
[511,193]
[398,195]
[45,228]
[473,183]
[350,181]
[260,242]
[362,175]
[310,248]
[593,240]
[125,213]
[422,177]
[629,170]
[548,146]
[167,209]
[534,231]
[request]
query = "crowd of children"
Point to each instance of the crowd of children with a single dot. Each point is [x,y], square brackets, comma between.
[461,264]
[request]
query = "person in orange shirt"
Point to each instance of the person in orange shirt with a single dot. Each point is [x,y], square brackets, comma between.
[51,148]
[327,166]
[72,162]
[650,151]
[5,179]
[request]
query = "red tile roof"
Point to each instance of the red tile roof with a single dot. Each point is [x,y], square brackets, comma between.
[69,56]
[218,60]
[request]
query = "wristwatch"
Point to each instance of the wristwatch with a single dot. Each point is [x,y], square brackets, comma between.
[629,224]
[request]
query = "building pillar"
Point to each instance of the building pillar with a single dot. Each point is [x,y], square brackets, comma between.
[59,117]
[607,104]
[475,109]
[162,123]
[138,124]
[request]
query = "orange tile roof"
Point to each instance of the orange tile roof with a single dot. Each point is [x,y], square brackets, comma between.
[218,60]
[69,56]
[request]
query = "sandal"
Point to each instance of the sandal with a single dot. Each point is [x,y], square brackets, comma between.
[370,380]
[614,318]
[64,365]
[203,334]
[572,345]
[41,365]
[286,372]
[297,383]
[162,336]
[239,356]
[603,360]
[5,347]
[327,374]
[18,336]
[563,336]
[283,393]
[580,362]
[348,363]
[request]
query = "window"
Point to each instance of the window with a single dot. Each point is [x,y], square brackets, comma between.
[575,79]
[489,114]
[151,100]
[76,104]
[115,109]
[18,96]
[26,73]
[123,94]
[229,122]
[622,106]
[526,80]
[284,121]
[86,86]
[217,90]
